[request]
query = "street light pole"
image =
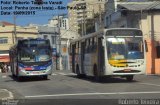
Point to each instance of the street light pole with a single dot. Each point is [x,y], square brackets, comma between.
[56,52]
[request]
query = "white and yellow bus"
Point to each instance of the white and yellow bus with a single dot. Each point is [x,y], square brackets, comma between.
[111,52]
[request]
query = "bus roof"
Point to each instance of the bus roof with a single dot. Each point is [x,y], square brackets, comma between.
[100,33]
[121,29]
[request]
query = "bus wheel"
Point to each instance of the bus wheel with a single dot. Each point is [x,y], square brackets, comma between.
[95,74]
[13,75]
[79,75]
[129,78]
[78,72]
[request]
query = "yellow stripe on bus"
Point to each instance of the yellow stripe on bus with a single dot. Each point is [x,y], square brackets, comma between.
[118,63]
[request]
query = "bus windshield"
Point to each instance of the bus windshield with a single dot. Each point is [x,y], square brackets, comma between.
[33,54]
[125,48]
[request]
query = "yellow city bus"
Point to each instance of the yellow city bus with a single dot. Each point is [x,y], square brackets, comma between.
[110,52]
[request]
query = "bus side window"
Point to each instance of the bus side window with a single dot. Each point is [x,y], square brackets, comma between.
[89,45]
[92,45]
[85,46]
[79,47]
[76,48]
[95,44]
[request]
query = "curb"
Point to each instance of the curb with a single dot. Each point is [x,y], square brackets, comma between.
[7,91]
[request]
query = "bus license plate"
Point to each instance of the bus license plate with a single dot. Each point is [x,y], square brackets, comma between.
[35,72]
[127,70]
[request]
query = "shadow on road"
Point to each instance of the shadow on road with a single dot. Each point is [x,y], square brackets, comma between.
[105,79]
[28,79]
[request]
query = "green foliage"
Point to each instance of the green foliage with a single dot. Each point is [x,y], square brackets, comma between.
[90,26]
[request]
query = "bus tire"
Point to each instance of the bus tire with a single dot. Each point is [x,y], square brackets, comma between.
[79,75]
[17,72]
[13,75]
[95,74]
[78,72]
[129,77]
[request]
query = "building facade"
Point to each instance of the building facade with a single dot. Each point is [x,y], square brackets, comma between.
[50,33]
[8,37]
[88,9]
[62,21]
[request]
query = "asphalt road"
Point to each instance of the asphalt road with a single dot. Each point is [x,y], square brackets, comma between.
[64,87]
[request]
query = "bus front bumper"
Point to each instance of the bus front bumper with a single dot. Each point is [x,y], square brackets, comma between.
[34,73]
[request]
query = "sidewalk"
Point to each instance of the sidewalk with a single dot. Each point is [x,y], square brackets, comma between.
[5,94]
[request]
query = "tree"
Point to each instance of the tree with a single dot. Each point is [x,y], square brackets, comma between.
[90,26]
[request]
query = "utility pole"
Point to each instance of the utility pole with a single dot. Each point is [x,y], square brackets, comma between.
[68,64]
[60,55]
[100,17]
[15,33]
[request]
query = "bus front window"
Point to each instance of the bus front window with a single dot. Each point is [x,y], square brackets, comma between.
[135,48]
[125,48]
[116,48]
[34,54]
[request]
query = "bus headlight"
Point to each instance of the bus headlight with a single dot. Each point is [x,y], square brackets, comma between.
[49,68]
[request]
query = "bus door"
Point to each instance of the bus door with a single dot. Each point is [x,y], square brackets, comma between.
[73,57]
[101,56]
[82,56]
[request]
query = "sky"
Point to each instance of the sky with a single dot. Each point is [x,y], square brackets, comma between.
[41,17]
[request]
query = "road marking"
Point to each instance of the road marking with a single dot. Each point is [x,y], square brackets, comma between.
[86,94]
[4,76]
[10,94]
[149,84]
